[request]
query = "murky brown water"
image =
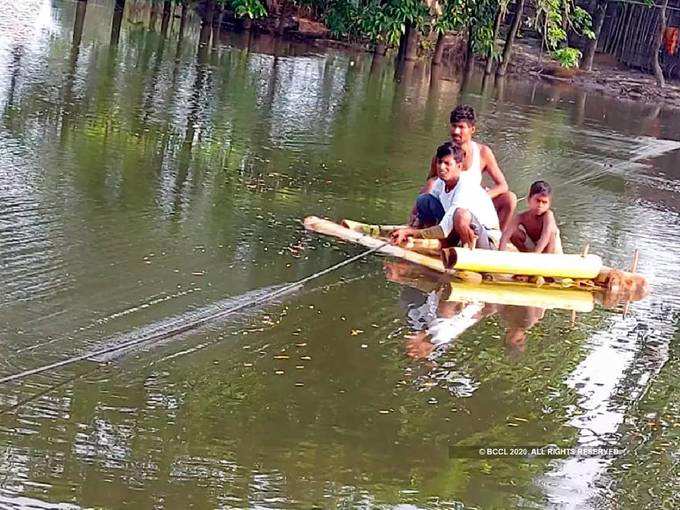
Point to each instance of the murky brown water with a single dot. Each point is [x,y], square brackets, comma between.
[149,185]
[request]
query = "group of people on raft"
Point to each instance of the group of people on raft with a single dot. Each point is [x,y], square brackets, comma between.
[454,207]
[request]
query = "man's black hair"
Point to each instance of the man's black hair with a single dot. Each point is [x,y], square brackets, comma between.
[463,112]
[540,188]
[450,149]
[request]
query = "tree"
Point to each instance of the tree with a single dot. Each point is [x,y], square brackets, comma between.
[658,72]
[165,20]
[510,39]
[500,14]
[598,21]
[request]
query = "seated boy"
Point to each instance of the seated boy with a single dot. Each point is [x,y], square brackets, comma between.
[455,210]
[535,229]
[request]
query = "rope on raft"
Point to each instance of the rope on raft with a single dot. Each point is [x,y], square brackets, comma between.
[193,325]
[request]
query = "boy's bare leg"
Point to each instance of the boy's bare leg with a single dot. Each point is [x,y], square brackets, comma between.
[521,240]
[555,244]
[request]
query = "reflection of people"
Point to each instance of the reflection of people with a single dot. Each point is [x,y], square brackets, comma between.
[454,209]
[434,321]
[518,320]
[451,319]
[479,159]
[535,229]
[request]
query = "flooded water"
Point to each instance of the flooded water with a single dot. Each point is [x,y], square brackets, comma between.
[149,186]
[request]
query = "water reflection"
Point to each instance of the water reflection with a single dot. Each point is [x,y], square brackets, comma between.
[440,309]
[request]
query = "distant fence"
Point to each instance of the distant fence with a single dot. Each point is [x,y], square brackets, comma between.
[629,32]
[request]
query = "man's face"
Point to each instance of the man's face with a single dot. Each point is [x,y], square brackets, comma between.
[448,169]
[461,132]
[539,203]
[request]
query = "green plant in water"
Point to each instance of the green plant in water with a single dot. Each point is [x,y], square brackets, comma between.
[567,57]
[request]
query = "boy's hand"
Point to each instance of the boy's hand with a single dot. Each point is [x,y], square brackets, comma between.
[467,235]
[400,235]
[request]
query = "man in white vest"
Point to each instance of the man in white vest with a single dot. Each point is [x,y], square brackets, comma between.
[479,160]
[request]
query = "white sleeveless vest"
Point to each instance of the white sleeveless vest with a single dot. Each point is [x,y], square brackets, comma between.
[473,173]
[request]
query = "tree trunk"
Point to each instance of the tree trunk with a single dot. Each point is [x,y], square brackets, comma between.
[598,21]
[118,9]
[206,25]
[510,40]
[81,8]
[469,60]
[182,21]
[411,47]
[153,17]
[165,20]
[496,28]
[438,50]
[658,72]
[402,45]
[217,26]
[380,49]
[281,23]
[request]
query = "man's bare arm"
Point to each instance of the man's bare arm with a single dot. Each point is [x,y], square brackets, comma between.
[490,165]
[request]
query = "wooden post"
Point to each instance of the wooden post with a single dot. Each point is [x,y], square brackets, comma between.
[633,269]
[636,257]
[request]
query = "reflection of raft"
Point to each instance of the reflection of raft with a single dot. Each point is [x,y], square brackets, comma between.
[522,295]
[578,271]
[507,293]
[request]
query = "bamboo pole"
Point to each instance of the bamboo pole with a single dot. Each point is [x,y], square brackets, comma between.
[371,230]
[333,229]
[531,264]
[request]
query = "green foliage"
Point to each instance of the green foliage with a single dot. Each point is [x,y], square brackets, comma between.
[452,18]
[582,22]
[551,18]
[567,57]
[379,21]
[380,26]
[252,9]
[342,18]
[479,16]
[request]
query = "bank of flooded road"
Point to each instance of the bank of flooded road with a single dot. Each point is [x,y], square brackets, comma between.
[154,183]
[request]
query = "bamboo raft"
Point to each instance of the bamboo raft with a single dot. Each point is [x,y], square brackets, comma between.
[583,271]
